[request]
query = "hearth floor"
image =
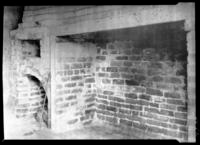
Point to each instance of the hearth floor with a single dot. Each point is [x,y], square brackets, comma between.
[91,132]
[94,131]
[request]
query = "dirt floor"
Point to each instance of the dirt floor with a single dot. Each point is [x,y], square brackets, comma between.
[31,130]
[91,132]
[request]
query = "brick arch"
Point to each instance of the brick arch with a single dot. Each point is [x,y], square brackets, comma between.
[37,82]
[34,73]
[32,87]
[40,79]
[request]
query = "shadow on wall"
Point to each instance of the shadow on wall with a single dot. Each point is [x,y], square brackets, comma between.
[13,16]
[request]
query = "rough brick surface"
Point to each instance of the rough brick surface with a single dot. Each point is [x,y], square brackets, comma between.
[145,97]
[172,95]
[151,91]
[118,81]
[131,82]
[131,95]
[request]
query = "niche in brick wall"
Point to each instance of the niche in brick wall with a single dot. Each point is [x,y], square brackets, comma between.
[31,48]
[141,77]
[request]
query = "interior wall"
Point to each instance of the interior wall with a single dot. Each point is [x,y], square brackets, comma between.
[138,85]
[10,22]
[15,65]
[11,17]
[74,85]
[141,89]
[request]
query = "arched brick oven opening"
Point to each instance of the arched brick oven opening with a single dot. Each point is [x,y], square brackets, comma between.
[32,102]
[41,113]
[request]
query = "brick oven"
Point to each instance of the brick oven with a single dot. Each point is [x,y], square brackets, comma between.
[126,67]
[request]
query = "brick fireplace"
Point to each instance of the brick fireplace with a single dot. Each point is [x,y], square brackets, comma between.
[103,65]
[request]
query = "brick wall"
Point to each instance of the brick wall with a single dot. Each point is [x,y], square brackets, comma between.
[75,90]
[143,89]
[28,94]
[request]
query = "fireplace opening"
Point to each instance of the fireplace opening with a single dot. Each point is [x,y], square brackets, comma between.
[141,76]
[39,100]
